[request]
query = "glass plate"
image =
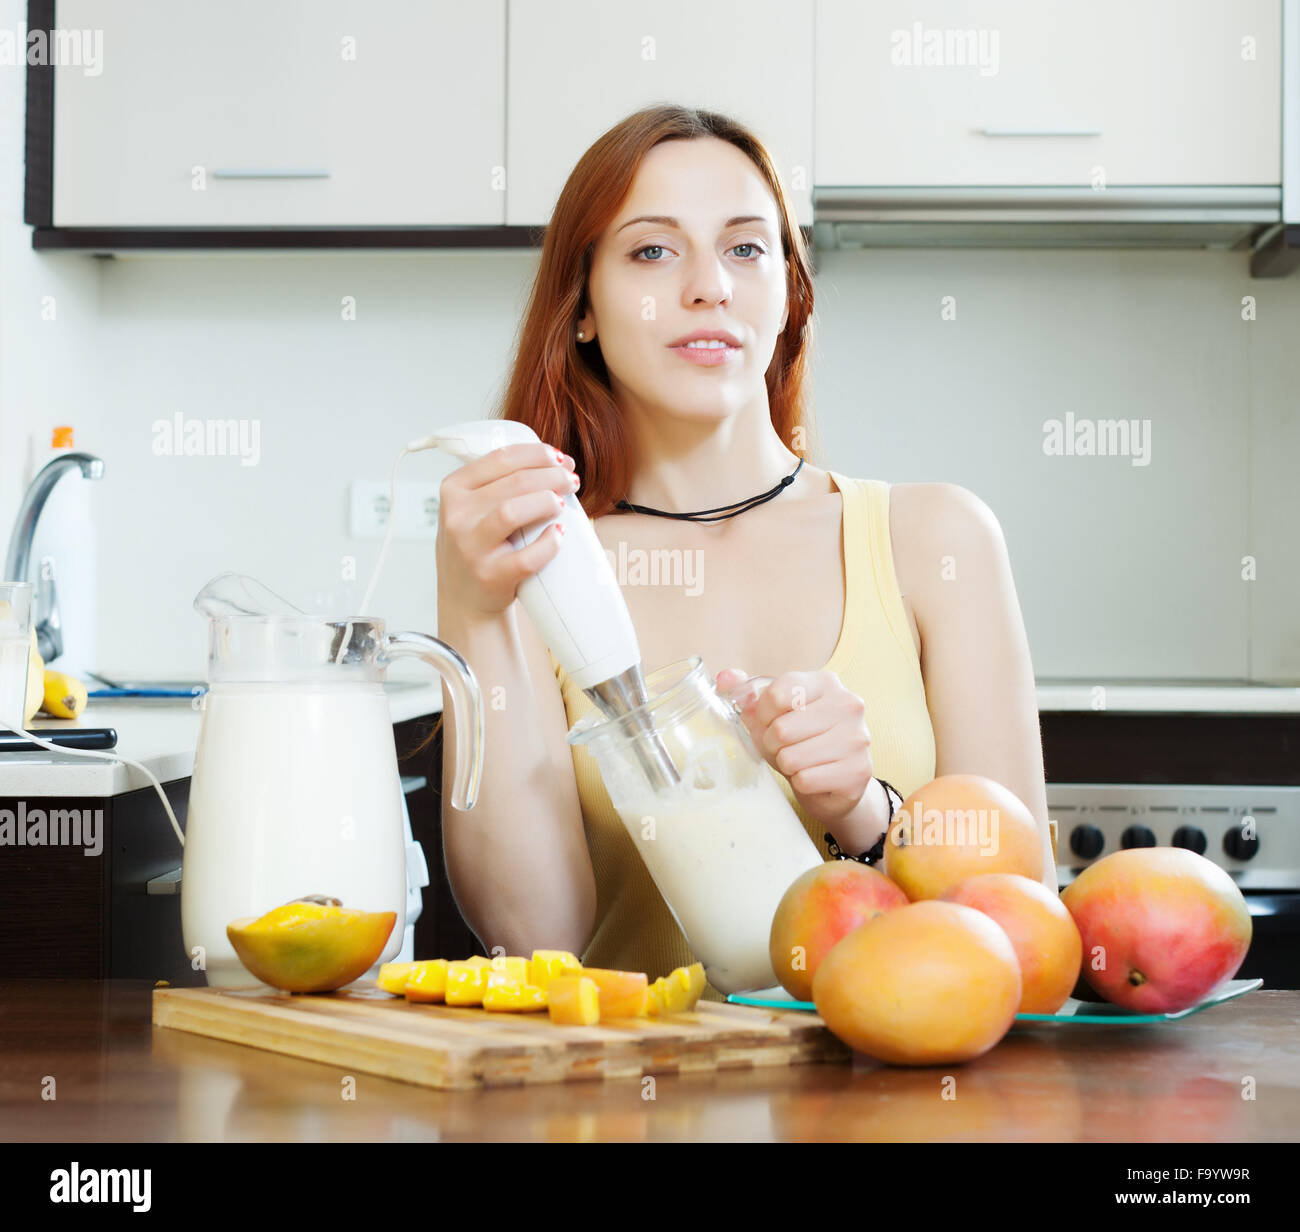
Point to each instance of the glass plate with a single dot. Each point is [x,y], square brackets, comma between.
[1071,1012]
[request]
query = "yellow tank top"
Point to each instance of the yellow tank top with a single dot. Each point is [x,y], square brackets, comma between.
[874,658]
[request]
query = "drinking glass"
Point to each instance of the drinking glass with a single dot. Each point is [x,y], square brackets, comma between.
[15,650]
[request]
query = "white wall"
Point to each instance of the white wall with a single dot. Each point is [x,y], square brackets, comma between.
[1122,570]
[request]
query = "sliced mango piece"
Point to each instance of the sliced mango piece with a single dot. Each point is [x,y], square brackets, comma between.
[567,957]
[466,982]
[392,977]
[427,980]
[678,991]
[663,1000]
[623,994]
[503,993]
[698,982]
[573,1000]
[545,965]
[308,947]
[515,968]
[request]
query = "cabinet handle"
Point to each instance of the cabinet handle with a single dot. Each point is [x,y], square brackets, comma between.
[166,883]
[1041,132]
[269,173]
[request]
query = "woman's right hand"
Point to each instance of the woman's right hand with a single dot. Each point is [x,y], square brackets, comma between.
[481,504]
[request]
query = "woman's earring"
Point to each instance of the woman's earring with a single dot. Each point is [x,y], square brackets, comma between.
[581,335]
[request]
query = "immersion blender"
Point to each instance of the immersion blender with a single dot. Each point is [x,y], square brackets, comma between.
[574,600]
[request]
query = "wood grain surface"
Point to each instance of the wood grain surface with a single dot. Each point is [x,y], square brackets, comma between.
[80,1061]
[458,1047]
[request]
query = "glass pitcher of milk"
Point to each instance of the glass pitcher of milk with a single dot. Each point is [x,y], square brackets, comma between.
[296,788]
[723,844]
[15,651]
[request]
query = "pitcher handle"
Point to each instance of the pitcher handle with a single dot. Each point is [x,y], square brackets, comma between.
[739,694]
[467,706]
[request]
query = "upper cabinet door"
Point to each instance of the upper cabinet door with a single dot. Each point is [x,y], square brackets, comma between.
[577,67]
[291,113]
[1049,92]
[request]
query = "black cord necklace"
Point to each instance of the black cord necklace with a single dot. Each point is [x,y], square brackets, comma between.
[738,507]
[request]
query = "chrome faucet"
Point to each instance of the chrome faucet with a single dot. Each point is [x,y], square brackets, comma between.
[49,630]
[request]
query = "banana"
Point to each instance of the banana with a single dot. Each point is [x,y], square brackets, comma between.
[65,696]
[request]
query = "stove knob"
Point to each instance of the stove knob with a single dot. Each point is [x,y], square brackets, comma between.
[1087,842]
[1191,838]
[1238,846]
[1137,836]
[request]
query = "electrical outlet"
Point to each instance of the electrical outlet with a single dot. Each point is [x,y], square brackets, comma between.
[416,516]
[417,511]
[369,509]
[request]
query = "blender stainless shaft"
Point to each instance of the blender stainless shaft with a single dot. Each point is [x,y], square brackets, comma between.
[574,600]
[624,694]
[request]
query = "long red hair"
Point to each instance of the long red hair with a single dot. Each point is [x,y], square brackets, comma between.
[560,388]
[562,391]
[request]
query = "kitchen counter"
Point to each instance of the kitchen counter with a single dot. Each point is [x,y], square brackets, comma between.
[160,733]
[122,1079]
[1169,696]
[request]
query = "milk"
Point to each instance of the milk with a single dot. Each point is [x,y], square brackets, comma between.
[15,654]
[722,856]
[295,791]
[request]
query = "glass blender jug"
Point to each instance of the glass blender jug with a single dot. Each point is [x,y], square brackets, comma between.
[296,788]
[723,843]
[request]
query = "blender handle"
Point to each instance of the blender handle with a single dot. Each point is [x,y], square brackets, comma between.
[738,694]
[467,706]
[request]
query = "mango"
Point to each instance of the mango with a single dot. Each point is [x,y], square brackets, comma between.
[426,981]
[392,976]
[959,826]
[466,982]
[515,968]
[1160,927]
[623,994]
[820,908]
[1046,940]
[503,993]
[573,1000]
[932,983]
[545,965]
[310,947]
[678,992]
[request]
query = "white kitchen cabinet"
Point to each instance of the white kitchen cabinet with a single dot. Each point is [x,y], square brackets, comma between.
[577,67]
[1152,92]
[292,113]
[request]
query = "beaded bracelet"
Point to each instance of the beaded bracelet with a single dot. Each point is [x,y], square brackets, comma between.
[872,854]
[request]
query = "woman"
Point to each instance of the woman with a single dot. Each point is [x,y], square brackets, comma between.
[887,616]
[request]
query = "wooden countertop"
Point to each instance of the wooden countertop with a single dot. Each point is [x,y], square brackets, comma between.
[121,1079]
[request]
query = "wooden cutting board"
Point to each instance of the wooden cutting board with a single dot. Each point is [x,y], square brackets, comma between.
[459,1048]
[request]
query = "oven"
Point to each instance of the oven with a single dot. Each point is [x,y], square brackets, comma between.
[1227,786]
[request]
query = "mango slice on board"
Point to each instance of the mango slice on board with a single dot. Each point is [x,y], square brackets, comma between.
[311,947]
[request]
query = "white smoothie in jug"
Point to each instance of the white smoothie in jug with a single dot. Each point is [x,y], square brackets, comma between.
[295,792]
[723,856]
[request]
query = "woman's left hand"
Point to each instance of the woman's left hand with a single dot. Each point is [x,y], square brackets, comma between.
[813,730]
